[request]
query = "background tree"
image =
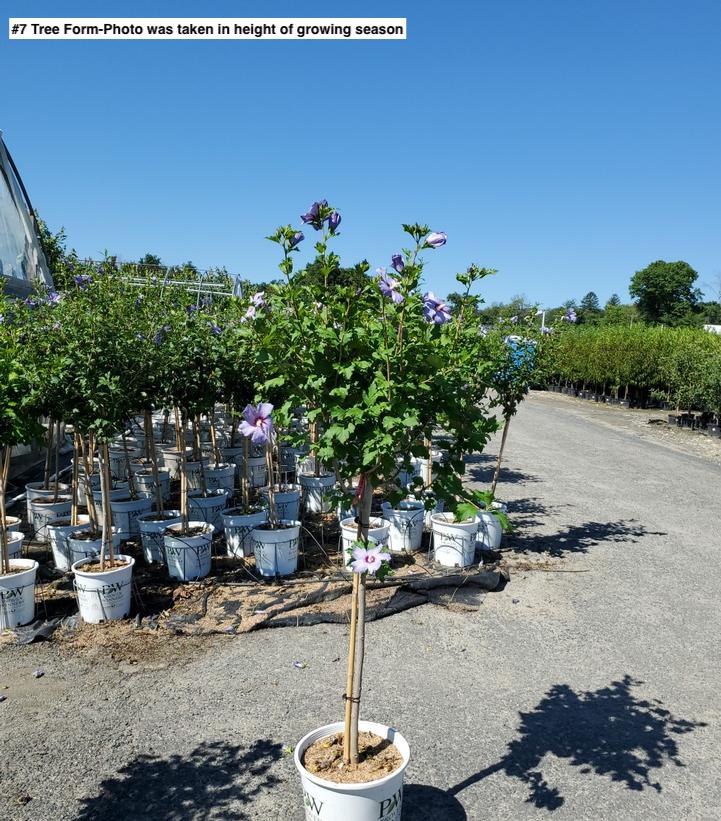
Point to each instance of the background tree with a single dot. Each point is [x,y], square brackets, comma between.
[590,309]
[665,292]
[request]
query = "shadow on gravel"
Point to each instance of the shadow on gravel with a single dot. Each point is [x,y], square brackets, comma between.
[203,784]
[480,467]
[423,803]
[579,538]
[607,732]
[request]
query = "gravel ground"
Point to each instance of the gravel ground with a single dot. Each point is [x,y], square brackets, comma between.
[585,690]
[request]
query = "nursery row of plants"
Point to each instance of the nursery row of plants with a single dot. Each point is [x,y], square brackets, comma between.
[640,365]
[374,386]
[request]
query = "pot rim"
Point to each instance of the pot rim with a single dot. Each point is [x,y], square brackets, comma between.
[31,565]
[370,726]
[128,561]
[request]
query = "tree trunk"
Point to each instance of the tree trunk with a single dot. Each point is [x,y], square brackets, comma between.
[107,540]
[356,650]
[74,484]
[497,471]
[150,441]
[48,454]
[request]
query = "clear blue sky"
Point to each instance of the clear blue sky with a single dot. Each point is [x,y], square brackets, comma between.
[565,143]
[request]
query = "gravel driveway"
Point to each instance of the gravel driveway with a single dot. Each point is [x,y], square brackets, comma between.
[587,689]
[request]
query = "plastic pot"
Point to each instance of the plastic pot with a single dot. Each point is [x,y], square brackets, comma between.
[188,557]
[34,490]
[208,508]
[490,532]
[84,548]
[406,525]
[276,551]
[145,483]
[58,531]
[152,530]
[15,543]
[104,596]
[238,526]
[378,531]
[315,491]
[17,594]
[221,477]
[454,543]
[379,800]
[125,514]
[44,510]
[287,502]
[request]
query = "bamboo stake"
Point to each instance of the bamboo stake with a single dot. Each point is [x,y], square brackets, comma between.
[199,454]
[88,485]
[500,455]
[183,488]
[48,452]
[272,512]
[74,488]
[166,415]
[4,552]
[57,462]
[105,484]
[128,470]
[179,433]
[214,442]
[245,477]
[150,437]
[351,669]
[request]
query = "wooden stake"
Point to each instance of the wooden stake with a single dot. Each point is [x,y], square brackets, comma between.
[106,484]
[272,512]
[48,452]
[150,437]
[74,488]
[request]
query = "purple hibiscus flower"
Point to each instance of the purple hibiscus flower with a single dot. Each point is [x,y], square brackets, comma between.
[570,315]
[53,298]
[257,422]
[435,310]
[216,329]
[333,221]
[296,238]
[436,238]
[249,314]
[398,263]
[83,280]
[389,286]
[30,302]
[258,299]
[370,560]
[313,214]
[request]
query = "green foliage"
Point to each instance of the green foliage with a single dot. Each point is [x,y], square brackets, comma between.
[665,292]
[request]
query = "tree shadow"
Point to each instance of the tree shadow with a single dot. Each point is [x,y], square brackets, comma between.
[579,538]
[204,784]
[480,467]
[607,732]
[422,803]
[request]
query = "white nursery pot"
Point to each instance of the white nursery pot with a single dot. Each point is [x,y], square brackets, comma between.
[406,525]
[15,544]
[287,502]
[172,460]
[44,510]
[238,527]
[276,551]
[315,491]
[34,490]
[194,472]
[118,463]
[378,531]
[454,543]
[208,508]
[152,530]
[234,455]
[12,523]
[81,549]
[94,485]
[58,531]
[145,483]
[379,800]
[257,471]
[222,477]
[125,513]
[188,557]
[104,596]
[17,594]
[490,532]
[119,490]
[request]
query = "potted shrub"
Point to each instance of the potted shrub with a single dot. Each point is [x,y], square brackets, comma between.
[378,365]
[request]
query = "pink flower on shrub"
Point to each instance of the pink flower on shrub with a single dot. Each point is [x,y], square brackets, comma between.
[369,561]
[257,422]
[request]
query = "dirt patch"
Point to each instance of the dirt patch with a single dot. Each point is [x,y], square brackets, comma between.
[377,758]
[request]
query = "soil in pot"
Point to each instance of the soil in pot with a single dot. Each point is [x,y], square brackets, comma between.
[240,511]
[94,567]
[87,535]
[377,758]
[268,526]
[191,531]
[13,571]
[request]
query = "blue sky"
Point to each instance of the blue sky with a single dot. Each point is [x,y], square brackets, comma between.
[567,144]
